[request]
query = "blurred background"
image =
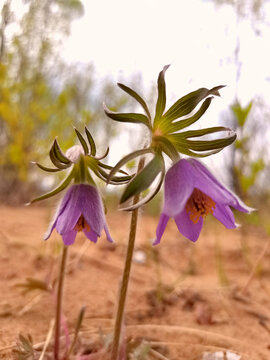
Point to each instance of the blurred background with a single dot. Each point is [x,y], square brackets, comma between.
[60,59]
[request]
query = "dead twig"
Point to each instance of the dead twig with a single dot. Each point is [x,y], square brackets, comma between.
[48,339]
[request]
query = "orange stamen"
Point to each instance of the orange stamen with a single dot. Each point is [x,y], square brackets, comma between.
[199,205]
[81,224]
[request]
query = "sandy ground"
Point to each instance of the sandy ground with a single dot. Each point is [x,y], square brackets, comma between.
[184,299]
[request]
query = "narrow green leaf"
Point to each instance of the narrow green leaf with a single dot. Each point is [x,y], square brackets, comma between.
[56,155]
[144,179]
[82,141]
[187,103]
[150,196]
[167,147]
[55,161]
[127,117]
[108,167]
[202,132]
[98,174]
[181,124]
[211,144]
[114,179]
[58,152]
[161,101]
[61,187]
[103,156]
[202,145]
[126,159]
[46,168]
[185,151]
[104,177]
[91,142]
[137,97]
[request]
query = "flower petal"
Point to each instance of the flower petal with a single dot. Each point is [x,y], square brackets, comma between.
[67,220]
[179,185]
[50,230]
[108,235]
[163,220]
[91,235]
[58,212]
[69,237]
[187,227]
[91,207]
[240,206]
[207,183]
[225,215]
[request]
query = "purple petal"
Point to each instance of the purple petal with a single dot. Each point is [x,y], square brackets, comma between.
[163,220]
[50,230]
[207,183]
[240,206]
[58,212]
[108,235]
[225,216]
[187,227]
[91,207]
[69,237]
[179,185]
[91,235]
[68,218]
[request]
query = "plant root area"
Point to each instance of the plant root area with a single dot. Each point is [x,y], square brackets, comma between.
[194,301]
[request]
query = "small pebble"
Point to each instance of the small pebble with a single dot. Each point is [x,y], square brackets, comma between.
[139,257]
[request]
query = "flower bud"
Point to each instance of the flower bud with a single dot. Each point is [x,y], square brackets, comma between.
[74,153]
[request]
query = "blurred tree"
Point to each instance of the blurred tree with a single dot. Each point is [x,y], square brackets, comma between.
[246,167]
[249,159]
[40,95]
[5,18]
[31,108]
[244,8]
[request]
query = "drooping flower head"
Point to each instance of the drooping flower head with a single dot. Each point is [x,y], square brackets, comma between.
[167,135]
[81,208]
[191,193]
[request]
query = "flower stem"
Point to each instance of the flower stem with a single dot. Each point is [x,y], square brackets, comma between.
[125,276]
[59,303]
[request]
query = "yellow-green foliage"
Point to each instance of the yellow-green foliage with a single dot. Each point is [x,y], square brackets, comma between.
[40,97]
[248,167]
[32,114]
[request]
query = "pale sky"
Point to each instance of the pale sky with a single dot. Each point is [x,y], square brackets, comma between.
[123,37]
[198,39]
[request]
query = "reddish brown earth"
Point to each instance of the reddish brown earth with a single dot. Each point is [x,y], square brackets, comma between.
[185,300]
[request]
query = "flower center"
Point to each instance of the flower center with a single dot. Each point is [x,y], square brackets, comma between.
[81,224]
[199,204]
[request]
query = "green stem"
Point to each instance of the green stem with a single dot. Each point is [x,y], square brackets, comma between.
[125,276]
[59,303]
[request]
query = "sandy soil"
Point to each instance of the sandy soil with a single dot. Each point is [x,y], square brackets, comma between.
[184,299]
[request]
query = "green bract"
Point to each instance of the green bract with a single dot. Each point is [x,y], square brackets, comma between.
[81,160]
[166,135]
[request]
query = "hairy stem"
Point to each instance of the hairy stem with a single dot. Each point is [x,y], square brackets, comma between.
[125,276]
[59,303]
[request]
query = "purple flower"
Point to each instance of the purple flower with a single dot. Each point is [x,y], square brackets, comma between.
[81,209]
[191,193]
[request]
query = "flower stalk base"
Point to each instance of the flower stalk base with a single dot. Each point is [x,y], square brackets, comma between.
[124,283]
[59,303]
